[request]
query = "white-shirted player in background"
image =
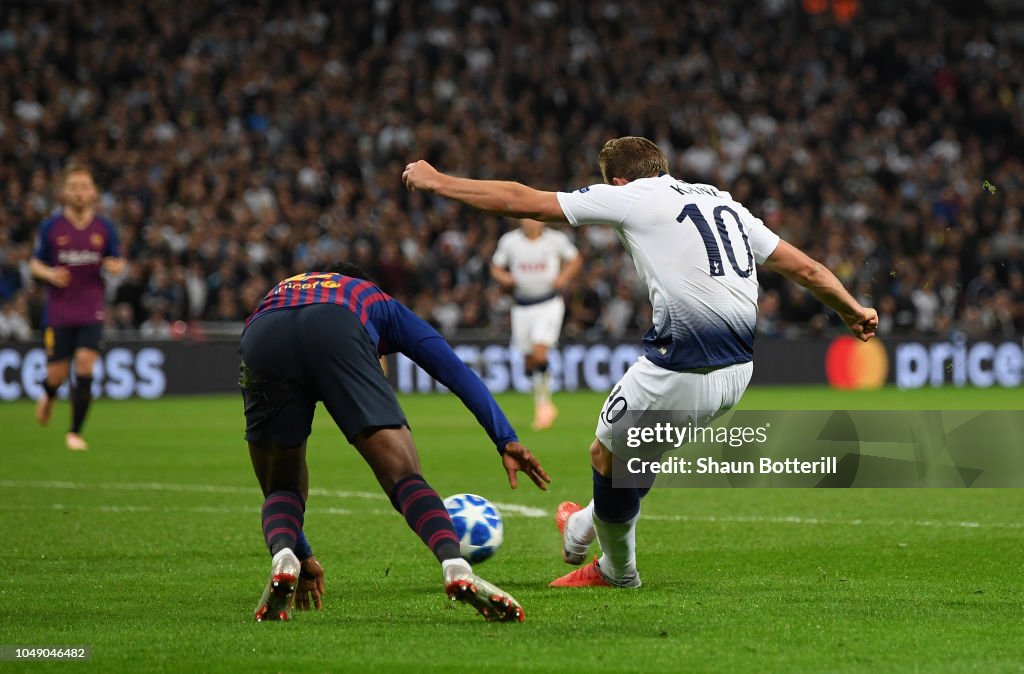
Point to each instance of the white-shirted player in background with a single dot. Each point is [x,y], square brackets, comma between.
[536,263]
[695,249]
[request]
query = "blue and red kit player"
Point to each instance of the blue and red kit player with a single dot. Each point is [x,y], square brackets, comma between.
[318,337]
[74,247]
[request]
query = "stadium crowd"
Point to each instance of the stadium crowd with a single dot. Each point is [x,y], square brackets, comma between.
[237,143]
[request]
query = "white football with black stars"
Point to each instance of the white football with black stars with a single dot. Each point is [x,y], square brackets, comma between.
[478,525]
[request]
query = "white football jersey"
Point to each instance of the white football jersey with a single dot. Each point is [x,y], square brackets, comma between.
[534,264]
[695,249]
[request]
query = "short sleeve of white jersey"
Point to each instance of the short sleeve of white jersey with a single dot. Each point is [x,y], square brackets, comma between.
[500,257]
[763,241]
[597,205]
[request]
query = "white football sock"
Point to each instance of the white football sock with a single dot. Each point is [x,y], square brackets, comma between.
[541,387]
[580,527]
[618,543]
[281,553]
[453,569]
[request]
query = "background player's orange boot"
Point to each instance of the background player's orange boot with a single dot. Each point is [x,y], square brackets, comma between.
[544,416]
[75,442]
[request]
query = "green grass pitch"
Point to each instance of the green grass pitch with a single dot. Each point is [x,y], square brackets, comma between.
[148,549]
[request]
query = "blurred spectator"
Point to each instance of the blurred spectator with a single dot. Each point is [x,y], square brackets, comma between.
[617,317]
[886,142]
[768,307]
[14,319]
[130,290]
[156,326]
[121,321]
[583,308]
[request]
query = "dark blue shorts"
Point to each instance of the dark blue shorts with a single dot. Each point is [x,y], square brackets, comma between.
[294,358]
[61,343]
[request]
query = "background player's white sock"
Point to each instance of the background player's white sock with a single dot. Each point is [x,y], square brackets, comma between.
[541,387]
[618,543]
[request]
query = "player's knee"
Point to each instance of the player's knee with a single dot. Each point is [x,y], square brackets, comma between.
[85,360]
[277,468]
[601,458]
[391,454]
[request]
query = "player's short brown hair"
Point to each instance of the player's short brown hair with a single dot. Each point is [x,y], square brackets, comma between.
[631,158]
[72,169]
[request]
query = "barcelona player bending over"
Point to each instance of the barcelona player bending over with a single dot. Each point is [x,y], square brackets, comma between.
[318,337]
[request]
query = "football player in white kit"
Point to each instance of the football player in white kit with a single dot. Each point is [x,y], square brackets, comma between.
[695,249]
[536,263]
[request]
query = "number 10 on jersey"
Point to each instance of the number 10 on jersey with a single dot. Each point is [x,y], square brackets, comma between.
[711,245]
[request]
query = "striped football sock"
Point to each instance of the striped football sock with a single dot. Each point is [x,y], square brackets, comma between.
[426,515]
[282,520]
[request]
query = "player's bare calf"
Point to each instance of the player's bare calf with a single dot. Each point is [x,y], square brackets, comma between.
[44,409]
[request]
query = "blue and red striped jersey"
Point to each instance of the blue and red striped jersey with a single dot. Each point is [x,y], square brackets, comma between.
[393,328]
[356,295]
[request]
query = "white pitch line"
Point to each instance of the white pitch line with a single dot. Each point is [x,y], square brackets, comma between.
[152,509]
[176,487]
[524,511]
[511,508]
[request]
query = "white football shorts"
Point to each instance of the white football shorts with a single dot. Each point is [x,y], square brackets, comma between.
[647,387]
[539,323]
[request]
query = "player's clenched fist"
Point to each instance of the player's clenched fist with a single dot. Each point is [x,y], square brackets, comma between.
[420,175]
[863,324]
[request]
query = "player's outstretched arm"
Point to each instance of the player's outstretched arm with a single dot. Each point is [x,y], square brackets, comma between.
[797,266]
[502,197]
[427,348]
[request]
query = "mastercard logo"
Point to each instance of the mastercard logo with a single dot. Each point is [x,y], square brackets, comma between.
[853,364]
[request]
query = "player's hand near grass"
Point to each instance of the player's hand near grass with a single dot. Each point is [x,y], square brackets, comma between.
[310,590]
[518,458]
